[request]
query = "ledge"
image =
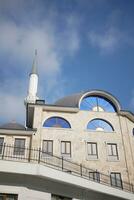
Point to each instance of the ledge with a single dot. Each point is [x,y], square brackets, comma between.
[47,173]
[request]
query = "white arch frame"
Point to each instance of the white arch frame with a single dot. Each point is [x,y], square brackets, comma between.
[106,95]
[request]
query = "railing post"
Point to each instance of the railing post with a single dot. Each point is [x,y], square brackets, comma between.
[62,163]
[29,154]
[132,188]
[39,155]
[3,151]
[81,169]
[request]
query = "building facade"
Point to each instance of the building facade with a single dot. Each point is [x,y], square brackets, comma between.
[80,147]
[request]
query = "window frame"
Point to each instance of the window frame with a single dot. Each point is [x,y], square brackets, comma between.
[96,101]
[56,125]
[70,149]
[1,145]
[59,197]
[95,177]
[9,195]
[116,182]
[92,155]
[19,151]
[101,120]
[47,153]
[113,148]
[133,132]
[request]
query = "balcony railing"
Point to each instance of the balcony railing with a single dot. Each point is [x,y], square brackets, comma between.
[12,153]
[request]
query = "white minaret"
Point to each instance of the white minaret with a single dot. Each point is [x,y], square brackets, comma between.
[33,83]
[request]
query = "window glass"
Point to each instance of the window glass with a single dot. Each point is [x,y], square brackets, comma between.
[97,103]
[95,176]
[1,144]
[112,151]
[100,125]
[58,197]
[8,196]
[116,179]
[19,146]
[56,122]
[66,148]
[1,197]
[133,131]
[92,150]
[47,147]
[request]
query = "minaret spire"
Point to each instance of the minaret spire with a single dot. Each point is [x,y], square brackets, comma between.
[33,82]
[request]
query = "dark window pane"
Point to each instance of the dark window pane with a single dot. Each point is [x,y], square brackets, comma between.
[58,197]
[1,144]
[47,147]
[8,196]
[116,179]
[19,146]
[95,176]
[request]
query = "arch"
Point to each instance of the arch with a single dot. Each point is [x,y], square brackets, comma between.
[58,122]
[98,100]
[97,103]
[100,125]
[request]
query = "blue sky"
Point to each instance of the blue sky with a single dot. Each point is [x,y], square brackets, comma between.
[82,45]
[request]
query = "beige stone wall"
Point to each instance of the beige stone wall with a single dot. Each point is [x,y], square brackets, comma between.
[130,149]
[79,136]
[10,139]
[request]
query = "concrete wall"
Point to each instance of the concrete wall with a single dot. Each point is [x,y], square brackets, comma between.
[24,193]
[34,181]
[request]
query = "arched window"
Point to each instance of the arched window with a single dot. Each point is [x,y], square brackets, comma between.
[100,125]
[97,103]
[56,122]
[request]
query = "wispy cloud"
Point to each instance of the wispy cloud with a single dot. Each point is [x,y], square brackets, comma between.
[111,35]
[11,100]
[107,41]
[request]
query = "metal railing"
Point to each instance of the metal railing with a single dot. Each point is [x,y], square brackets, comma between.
[12,153]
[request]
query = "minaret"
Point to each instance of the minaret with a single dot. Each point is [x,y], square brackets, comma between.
[33,83]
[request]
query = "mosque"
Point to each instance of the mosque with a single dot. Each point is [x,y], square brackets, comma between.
[79,148]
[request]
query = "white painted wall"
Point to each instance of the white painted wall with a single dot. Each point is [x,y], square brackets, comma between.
[53,181]
[25,193]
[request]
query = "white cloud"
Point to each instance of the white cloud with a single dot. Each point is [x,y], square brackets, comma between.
[111,35]
[12,108]
[20,41]
[11,100]
[107,41]
[17,43]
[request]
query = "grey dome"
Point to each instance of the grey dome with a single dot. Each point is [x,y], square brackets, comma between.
[70,101]
[13,126]
[75,99]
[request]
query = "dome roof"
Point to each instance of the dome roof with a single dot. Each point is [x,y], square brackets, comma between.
[13,126]
[75,99]
[70,101]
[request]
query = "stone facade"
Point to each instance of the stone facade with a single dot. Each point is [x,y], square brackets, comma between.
[79,136]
